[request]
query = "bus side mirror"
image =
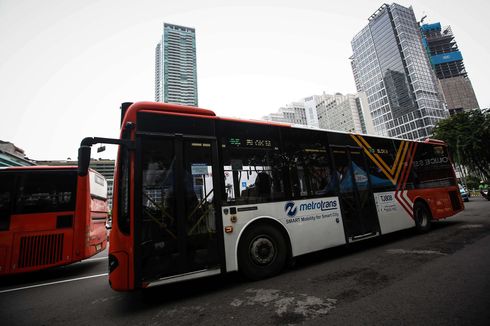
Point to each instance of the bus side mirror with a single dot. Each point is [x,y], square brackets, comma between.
[83,160]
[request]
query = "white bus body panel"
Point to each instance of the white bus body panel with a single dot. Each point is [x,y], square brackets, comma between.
[392,216]
[312,224]
[98,185]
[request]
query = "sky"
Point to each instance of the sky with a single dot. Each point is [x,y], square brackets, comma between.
[67,65]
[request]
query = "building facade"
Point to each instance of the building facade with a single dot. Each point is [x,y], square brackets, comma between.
[11,155]
[347,113]
[176,67]
[311,110]
[391,66]
[447,62]
[340,112]
[291,113]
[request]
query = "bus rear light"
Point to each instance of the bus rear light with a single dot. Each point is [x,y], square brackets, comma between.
[229,229]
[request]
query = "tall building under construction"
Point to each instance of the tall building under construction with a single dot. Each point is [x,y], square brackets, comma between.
[447,62]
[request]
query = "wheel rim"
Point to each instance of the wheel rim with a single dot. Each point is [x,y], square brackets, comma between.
[262,250]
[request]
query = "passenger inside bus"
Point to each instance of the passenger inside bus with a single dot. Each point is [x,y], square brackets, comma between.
[328,182]
[260,190]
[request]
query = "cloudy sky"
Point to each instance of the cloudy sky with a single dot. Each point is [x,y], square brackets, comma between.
[66,65]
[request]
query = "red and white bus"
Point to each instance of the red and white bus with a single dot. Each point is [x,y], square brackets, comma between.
[50,216]
[198,195]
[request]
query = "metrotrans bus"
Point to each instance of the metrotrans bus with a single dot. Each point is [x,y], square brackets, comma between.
[50,216]
[198,195]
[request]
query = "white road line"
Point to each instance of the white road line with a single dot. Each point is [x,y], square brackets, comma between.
[53,283]
[92,259]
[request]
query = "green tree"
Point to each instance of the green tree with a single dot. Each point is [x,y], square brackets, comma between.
[468,137]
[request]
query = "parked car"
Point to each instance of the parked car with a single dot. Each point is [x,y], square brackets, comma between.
[464,192]
[108,226]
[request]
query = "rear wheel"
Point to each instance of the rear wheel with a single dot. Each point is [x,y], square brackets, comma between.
[262,252]
[422,217]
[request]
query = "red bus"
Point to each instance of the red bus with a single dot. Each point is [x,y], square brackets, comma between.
[50,216]
[198,195]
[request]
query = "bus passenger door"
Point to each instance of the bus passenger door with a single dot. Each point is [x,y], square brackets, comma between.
[178,215]
[356,197]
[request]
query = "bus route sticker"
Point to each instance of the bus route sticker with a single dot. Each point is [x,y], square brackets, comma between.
[385,202]
[199,169]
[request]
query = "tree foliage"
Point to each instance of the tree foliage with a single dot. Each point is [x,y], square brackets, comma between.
[468,137]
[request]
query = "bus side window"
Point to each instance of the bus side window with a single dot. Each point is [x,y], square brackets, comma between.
[6,186]
[432,167]
[308,166]
[389,152]
[311,175]
[42,192]
[252,176]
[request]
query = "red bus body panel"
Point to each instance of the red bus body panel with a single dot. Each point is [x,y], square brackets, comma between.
[438,201]
[34,242]
[31,244]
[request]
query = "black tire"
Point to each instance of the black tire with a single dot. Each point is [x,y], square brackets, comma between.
[262,252]
[423,217]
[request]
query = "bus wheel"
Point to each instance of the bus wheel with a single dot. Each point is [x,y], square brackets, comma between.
[422,216]
[262,252]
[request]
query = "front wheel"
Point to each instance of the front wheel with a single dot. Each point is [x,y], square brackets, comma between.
[422,217]
[262,252]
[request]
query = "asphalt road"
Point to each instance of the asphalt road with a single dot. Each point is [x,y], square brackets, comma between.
[438,278]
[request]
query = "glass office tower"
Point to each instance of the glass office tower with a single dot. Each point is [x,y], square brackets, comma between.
[175,66]
[391,66]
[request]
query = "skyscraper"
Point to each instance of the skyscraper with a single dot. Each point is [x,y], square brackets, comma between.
[447,62]
[391,66]
[175,66]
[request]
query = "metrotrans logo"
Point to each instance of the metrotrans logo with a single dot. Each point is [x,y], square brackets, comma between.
[324,205]
[290,209]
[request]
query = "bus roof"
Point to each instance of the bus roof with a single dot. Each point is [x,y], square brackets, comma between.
[183,110]
[42,168]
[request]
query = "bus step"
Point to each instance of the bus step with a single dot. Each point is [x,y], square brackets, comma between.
[363,236]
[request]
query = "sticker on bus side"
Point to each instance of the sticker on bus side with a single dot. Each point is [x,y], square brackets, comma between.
[391,215]
[311,210]
[385,202]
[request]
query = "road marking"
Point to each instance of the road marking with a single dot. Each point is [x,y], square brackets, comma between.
[53,283]
[92,259]
[471,226]
[415,252]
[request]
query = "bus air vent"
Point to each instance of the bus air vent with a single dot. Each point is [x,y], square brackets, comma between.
[40,250]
